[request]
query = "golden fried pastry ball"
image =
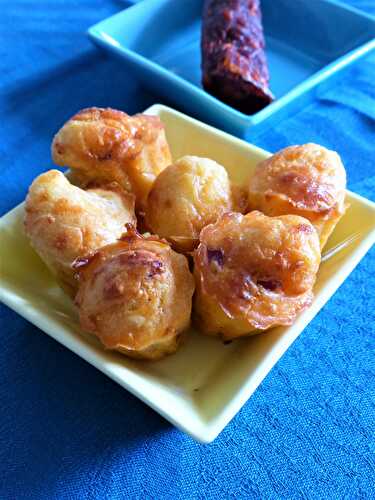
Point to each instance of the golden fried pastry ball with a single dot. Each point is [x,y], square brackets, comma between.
[254,272]
[109,145]
[136,296]
[306,180]
[185,197]
[64,222]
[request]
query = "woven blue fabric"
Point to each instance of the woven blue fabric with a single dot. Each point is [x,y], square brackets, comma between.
[66,431]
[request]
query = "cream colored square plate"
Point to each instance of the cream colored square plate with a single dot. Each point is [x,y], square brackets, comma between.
[202,386]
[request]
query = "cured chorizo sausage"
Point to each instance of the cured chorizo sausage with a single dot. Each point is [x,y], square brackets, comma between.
[233,58]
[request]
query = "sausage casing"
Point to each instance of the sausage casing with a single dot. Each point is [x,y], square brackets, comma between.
[233,58]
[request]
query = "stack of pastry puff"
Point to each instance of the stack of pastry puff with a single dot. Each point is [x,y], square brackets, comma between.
[130,235]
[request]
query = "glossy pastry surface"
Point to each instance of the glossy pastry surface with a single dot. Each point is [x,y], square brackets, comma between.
[254,272]
[109,145]
[135,296]
[64,222]
[187,196]
[307,180]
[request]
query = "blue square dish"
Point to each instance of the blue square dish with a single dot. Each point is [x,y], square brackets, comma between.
[307,44]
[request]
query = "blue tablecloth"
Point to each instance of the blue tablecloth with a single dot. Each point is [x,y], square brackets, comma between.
[66,431]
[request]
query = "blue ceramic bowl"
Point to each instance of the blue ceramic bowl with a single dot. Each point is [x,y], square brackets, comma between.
[308,42]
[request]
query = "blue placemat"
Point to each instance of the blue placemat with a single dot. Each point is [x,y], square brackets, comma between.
[66,431]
